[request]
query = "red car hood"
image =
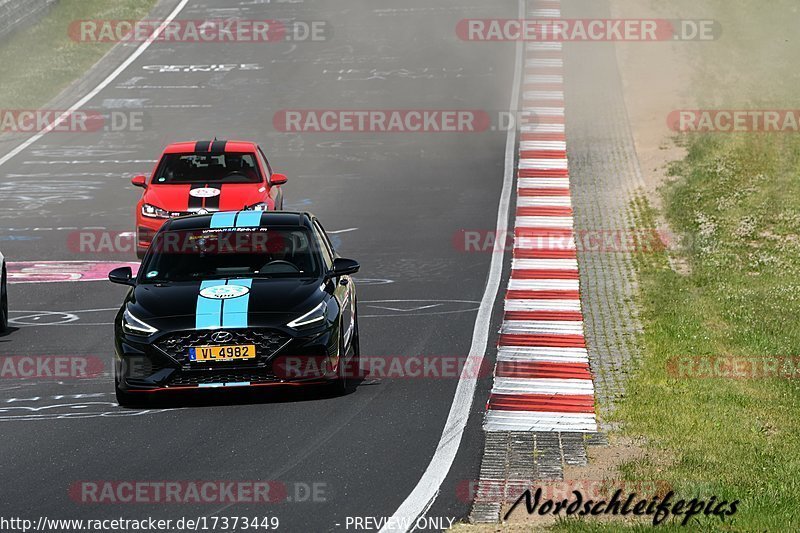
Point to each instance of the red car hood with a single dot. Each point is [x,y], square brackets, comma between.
[231,197]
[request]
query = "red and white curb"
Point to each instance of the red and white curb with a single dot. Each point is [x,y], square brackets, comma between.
[542,380]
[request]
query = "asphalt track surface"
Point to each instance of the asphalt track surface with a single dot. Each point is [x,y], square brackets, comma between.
[408,195]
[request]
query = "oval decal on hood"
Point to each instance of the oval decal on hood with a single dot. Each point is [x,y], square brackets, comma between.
[224,292]
[204,192]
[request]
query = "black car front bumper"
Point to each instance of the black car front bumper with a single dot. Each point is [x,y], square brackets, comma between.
[162,361]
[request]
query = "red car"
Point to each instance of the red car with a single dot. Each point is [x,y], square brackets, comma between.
[203,177]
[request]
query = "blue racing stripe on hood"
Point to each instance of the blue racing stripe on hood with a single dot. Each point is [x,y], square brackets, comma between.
[208,314]
[234,310]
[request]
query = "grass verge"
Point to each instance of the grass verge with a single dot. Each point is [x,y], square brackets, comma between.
[719,432]
[735,202]
[41,60]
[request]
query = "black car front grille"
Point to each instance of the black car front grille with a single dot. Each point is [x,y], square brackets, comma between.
[143,367]
[198,377]
[266,341]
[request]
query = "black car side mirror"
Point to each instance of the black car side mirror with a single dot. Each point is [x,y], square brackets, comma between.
[343,267]
[122,275]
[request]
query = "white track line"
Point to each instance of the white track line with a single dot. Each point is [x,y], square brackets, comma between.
[544,78]
[539,421]
[542,111]
[543,183]
[544,62]
[535,47]
[543,164]
[545,13]
[545,222]
[422,497]
[543,145]
[543,284]
[545,264]
[545,243]
[554,386]
[542,354]
[539,127]
[102,85]
[542,327]
[546,201]
[543,305]
[544,95]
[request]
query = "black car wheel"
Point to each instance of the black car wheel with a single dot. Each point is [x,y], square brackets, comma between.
[340,385]
[3,301]
[348,371]
[356,346]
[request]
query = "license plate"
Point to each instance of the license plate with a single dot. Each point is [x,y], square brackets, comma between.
[222,353]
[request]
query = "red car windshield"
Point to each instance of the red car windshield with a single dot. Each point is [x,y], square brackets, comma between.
[199,167]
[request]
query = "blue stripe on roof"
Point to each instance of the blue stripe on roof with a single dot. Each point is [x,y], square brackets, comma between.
[248,219]
[224,219]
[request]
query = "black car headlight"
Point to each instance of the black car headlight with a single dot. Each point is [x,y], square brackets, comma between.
[314,317]
[261,206]
[134,326]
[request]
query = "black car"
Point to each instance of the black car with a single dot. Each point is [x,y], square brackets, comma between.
[245,298]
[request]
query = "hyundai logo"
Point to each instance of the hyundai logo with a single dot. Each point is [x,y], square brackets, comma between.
[221,336]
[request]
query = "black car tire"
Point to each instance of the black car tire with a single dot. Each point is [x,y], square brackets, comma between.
[3,300]
[348,373]
[356,345]
[340,385]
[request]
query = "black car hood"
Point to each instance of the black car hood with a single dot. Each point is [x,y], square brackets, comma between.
[275,301]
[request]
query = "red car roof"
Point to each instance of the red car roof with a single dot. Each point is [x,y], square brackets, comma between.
[230,146]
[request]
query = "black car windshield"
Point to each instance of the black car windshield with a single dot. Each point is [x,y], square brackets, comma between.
[199,167]
[285,252]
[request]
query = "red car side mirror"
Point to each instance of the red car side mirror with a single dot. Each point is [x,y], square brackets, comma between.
[139,181]
[278,179]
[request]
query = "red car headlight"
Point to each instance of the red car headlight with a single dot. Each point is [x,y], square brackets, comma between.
[152,211]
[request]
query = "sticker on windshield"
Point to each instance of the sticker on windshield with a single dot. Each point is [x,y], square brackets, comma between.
[152,274]
[204,192]
[224,292]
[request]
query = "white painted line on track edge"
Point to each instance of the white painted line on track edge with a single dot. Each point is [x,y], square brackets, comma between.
[102,85]
[424,493]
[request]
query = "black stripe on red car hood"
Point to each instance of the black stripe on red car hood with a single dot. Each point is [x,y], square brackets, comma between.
[212,203]
[194,201]
[202,146]
[218,147]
